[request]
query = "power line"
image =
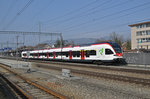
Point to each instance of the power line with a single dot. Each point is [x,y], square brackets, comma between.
[45,7]
[18,14]
[109,15]
[118,17]
[41,11]
[119,25]
[71,12]
[80,14]
[75,17]
[8,11]
[29,33]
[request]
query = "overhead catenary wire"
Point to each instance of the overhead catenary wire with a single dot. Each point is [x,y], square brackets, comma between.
[90,13]
[8,11]
[115,18]
[81,14]
[18,14]
[114,26]
[71,12]
[109,15]
[41,11]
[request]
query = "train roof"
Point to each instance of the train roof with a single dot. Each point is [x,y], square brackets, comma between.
[111,43]
[84,45]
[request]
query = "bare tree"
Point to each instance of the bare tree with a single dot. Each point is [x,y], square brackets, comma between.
[116,38]
[128,46]
[100,40]
[64,43]
[58,42]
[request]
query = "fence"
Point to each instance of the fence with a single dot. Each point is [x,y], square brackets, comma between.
[137,58]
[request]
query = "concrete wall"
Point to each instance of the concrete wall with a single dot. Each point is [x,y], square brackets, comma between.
[137,58]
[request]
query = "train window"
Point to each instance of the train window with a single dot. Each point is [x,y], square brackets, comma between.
[74,53]
[67,53]
[116,47]
[63,53]
[58,54]
[45,54]
[108,52]
[50,55]
[93,52]
[78,53]
[40,54]
[35,54]
[24,54]
[87,53]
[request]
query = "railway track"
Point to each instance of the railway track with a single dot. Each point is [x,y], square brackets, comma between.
[29,89]
[92,66]
[144,82]
[131,70]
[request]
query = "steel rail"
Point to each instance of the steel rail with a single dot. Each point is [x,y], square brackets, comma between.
[145,82]
[22,93]
[52,92]
[147,72]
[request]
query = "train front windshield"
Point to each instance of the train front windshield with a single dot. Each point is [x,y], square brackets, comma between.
[116,47]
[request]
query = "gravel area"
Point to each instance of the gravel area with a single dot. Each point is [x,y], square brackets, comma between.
[103,71]
[86,87]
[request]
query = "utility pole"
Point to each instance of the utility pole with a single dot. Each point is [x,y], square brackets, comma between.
[2,50]
[23,41]
[17,47]
[7,49]
[39,30]
[61,43]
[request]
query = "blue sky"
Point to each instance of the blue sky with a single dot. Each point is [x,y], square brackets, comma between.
[74,18]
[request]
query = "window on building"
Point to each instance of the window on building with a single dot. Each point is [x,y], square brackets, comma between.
[148,32]
[142,26]
[148,39]
[143,32]
[148,25]
[138,26]
[139,40]
[139,33]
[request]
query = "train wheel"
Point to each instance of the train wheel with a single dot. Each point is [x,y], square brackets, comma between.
[98,62]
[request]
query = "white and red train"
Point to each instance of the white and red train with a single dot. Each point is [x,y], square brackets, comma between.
[97,53]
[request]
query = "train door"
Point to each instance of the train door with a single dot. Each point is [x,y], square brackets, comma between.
[70,54]
[37,55]
[108,54]
[82,54]
[54,55]
[47,55]
[33,55]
